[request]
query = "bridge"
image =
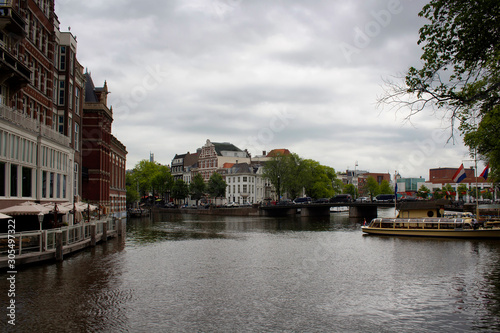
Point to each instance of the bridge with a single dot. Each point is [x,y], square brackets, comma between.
[367,210]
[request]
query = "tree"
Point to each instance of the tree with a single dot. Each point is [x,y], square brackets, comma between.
[371,187]
[180,190]
[131,186]
[318,180]
[197,187]
[216,186]
[385,188]
[462,191]
[152,178]
[448,191]
[437,194]
[351,189]
[459,73]
[423,192]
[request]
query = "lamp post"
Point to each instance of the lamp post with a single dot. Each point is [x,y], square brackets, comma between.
[279,199]
[40,219]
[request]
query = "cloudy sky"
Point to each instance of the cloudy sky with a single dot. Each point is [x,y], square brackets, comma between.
[261,74]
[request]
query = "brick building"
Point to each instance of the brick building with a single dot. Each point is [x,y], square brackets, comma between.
[104,157]
[40,105]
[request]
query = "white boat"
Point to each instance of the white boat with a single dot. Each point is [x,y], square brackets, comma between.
[431,227]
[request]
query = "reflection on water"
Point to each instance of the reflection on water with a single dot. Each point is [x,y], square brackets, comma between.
[193,273]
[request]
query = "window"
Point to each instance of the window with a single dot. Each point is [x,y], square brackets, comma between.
[58,186]
[60,125]
[27,181]
[51,185]
[54,90]
[61,92]
[62,61]
[75,187]
[70,97]
[77,137]
[13,180]
[77,100]
[44,184]
[2,179]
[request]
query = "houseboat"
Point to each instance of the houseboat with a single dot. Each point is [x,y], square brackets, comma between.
[431,227]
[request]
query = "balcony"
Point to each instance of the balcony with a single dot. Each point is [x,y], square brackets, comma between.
[14,117]
[11,20]
[12,71]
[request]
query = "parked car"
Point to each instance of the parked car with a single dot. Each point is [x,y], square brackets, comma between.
[384,198]
[302,201]
[285,202]
[363,199]
[322,200]
[341,198]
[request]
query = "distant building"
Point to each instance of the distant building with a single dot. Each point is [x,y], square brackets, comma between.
[213,155]
[104,156]
[177,166]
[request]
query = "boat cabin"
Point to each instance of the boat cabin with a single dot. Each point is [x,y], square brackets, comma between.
[422,209]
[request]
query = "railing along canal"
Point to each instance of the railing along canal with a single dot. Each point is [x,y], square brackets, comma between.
[45,240]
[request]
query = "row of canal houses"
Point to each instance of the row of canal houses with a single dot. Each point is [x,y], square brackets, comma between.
[56,142]
[241,171]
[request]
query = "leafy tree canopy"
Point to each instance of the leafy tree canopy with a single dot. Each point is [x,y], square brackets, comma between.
[371,187]
[385,188]
[180,190]
[423,192]
[459,72]
[197,187]
[216,186]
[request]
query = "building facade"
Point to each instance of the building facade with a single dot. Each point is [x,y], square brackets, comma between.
[40,97]
[103,156]
[213,155]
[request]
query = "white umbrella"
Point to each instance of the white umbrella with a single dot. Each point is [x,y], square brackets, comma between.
[61,208]
[4,216]
[26,208]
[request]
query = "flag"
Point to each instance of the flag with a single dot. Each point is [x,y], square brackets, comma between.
[459,175]
[396,192]
[484,174]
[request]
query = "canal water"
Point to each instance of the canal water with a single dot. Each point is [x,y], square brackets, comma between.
[190,273]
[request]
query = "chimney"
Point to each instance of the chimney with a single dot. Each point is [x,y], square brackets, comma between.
[264,153]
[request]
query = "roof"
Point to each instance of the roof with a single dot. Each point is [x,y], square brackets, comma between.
[90,95]
[224,146]
[190,159]
[276,152]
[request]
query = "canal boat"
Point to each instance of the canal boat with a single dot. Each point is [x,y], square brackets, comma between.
[431,227]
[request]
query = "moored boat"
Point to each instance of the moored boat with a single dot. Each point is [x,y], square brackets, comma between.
[431,227]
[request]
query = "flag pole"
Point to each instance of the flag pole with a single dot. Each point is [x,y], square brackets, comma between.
[477,194]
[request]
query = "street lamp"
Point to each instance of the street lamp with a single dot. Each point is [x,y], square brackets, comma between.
[279,198]
[40,219]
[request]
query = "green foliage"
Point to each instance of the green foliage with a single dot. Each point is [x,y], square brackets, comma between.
[447,191]
[371,187]
[351,189]
[486,139]
[180,190]
[385,188]
[297,174]
[423,192]
[197,188]
[459,72]
[152,178]
[462,190]
[437,194]
[216,186]
[131,186]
